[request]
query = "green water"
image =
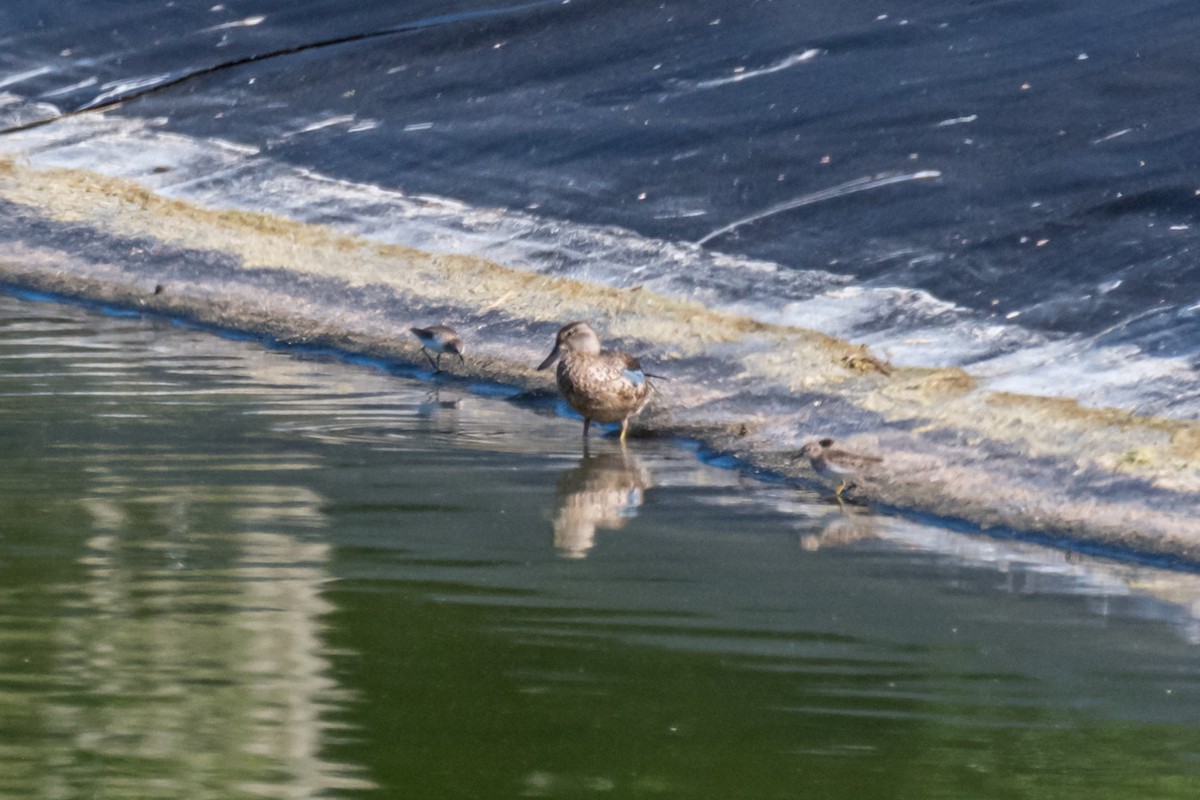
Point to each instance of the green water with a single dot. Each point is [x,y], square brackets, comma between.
[231,572]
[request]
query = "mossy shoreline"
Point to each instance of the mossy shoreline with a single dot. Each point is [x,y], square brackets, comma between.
[1094,477]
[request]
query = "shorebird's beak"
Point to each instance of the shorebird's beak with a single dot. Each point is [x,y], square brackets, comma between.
[550,359]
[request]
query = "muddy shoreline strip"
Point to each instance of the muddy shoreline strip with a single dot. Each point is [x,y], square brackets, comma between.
[1095,477]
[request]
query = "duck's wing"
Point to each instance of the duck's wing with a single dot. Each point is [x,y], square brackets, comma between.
[630,368]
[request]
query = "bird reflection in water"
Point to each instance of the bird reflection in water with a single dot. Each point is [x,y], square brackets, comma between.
[436,402]
[604,491]
[841,529]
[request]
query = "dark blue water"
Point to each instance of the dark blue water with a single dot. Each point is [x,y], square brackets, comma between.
[1065,134]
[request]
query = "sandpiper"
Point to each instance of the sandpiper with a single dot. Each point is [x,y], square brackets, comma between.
[831,462]
[602,385]
[441,340]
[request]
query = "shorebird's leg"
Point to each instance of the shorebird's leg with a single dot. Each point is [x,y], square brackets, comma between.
[438,366]
[431,363]
[587,423]
[841,488]
[624,429]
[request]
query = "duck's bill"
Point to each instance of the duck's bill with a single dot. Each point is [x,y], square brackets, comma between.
[550,359]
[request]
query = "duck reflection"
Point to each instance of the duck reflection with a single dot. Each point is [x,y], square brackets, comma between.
[604,491]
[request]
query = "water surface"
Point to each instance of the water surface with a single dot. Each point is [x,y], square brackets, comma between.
[232,571]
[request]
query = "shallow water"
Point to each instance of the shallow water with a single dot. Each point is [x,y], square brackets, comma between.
[232,571]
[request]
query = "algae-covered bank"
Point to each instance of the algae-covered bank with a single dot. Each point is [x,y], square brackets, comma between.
[227,238]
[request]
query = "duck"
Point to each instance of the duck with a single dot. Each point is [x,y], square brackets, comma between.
[602,385]
[441,339]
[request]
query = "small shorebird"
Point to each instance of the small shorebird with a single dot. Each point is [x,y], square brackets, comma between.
[830,462]
[441,340]
[602,385]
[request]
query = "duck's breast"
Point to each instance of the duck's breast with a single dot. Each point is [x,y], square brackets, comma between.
[607,387]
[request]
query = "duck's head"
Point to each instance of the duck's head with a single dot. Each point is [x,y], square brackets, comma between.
[574,337]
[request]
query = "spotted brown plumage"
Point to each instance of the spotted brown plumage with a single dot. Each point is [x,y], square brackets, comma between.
[831,462]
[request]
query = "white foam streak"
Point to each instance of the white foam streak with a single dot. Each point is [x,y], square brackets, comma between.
[118,88]
[841,190]
[21,77]
[958,121]
[328,122]
[744,75]
[1114,135]
[248,22]
[74,87]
